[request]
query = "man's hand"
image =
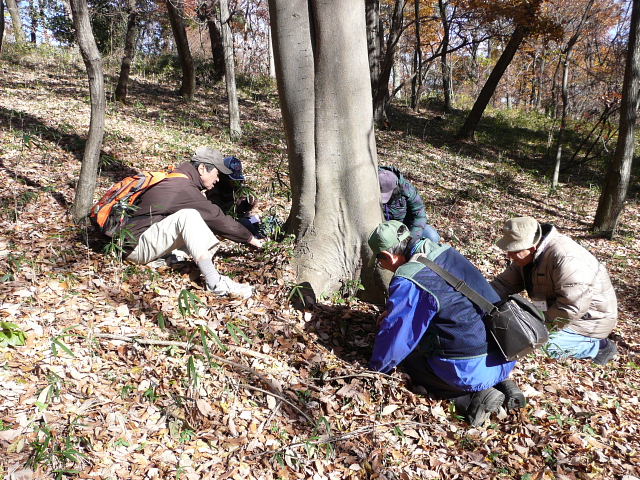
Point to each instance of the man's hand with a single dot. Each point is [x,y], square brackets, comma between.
[256,242]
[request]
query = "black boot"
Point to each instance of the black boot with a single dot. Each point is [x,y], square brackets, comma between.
[483,404]
[514,398]
[608,350]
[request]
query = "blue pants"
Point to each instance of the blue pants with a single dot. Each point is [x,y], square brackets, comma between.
[567,343]
[431,233]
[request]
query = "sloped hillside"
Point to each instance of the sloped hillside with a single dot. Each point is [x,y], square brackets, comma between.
[138,373]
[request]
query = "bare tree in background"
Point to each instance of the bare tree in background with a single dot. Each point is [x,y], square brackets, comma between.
[566,52]
[1,23]
[616,183]
[207,13]
[175,9]
[230,73]
[18,33]
[129,51]
[91,57]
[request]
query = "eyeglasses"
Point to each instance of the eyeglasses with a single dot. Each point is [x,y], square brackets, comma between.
[379,258]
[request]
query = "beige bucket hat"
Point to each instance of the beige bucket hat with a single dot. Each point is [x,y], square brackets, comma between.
[519,233]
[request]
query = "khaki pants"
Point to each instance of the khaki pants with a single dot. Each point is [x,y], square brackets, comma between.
[184,229]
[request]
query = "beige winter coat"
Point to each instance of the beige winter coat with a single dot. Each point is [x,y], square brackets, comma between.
[575,286]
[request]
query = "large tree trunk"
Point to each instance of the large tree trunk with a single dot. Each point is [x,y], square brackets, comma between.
[89,170]
[230,70]
[444,61]
[614,191]
[176,12]
[215,38]
[471,123]
[129,52]
[325,96]
[18,33]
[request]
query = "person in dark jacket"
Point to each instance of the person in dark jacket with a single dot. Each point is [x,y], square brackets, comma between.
[174,214]
[228,194]
[435,333]
[401,201]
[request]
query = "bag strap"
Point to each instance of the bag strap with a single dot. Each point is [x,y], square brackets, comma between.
[460,285]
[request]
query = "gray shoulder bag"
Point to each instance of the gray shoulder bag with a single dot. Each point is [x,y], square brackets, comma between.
[515,324]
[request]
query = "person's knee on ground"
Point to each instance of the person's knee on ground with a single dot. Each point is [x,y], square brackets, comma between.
[431,233]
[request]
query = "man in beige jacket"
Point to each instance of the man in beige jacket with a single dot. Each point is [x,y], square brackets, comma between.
[566,282]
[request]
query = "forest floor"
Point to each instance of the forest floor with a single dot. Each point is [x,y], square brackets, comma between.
[138,373]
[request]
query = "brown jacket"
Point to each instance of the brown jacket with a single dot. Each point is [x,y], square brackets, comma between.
[173,194]
[575,286]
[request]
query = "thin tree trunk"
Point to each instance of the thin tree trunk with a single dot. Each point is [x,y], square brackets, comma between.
[564,93]
[329,125]
[176,12]
[89,170]
[444,63]
[18,33]
[215,38]
[471,123]
[1,23]
[614,191]
[541,72]
[374,44]
[129,51]
[381,94]
[602,120]
[272,63]
[416,81]
[230,74]
[33,13]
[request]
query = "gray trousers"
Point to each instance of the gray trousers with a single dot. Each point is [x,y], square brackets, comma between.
[184,229]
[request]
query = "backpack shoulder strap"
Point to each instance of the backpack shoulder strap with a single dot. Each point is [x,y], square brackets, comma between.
[460,285]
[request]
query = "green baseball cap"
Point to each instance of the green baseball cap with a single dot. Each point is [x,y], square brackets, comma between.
[387,235]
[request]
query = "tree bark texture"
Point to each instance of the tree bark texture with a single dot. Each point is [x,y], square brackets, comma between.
[374,40]
[18,33]
[1,23]
[614,191]
[416,81]
[468,129]
[381,91]
[129,51]
[444,59]
[230,70]
[564,93]
[33,13]
[215,38]
[325,95]
[272,63]
[176,14]
[91,57]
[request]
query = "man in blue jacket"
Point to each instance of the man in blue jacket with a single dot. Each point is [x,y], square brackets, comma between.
[436,333]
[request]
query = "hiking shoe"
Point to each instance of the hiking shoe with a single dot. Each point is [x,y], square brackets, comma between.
[514,398]
[606,352]
[483,404]
[227,287]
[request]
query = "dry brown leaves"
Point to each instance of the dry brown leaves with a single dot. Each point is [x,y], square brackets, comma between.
[281,394]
